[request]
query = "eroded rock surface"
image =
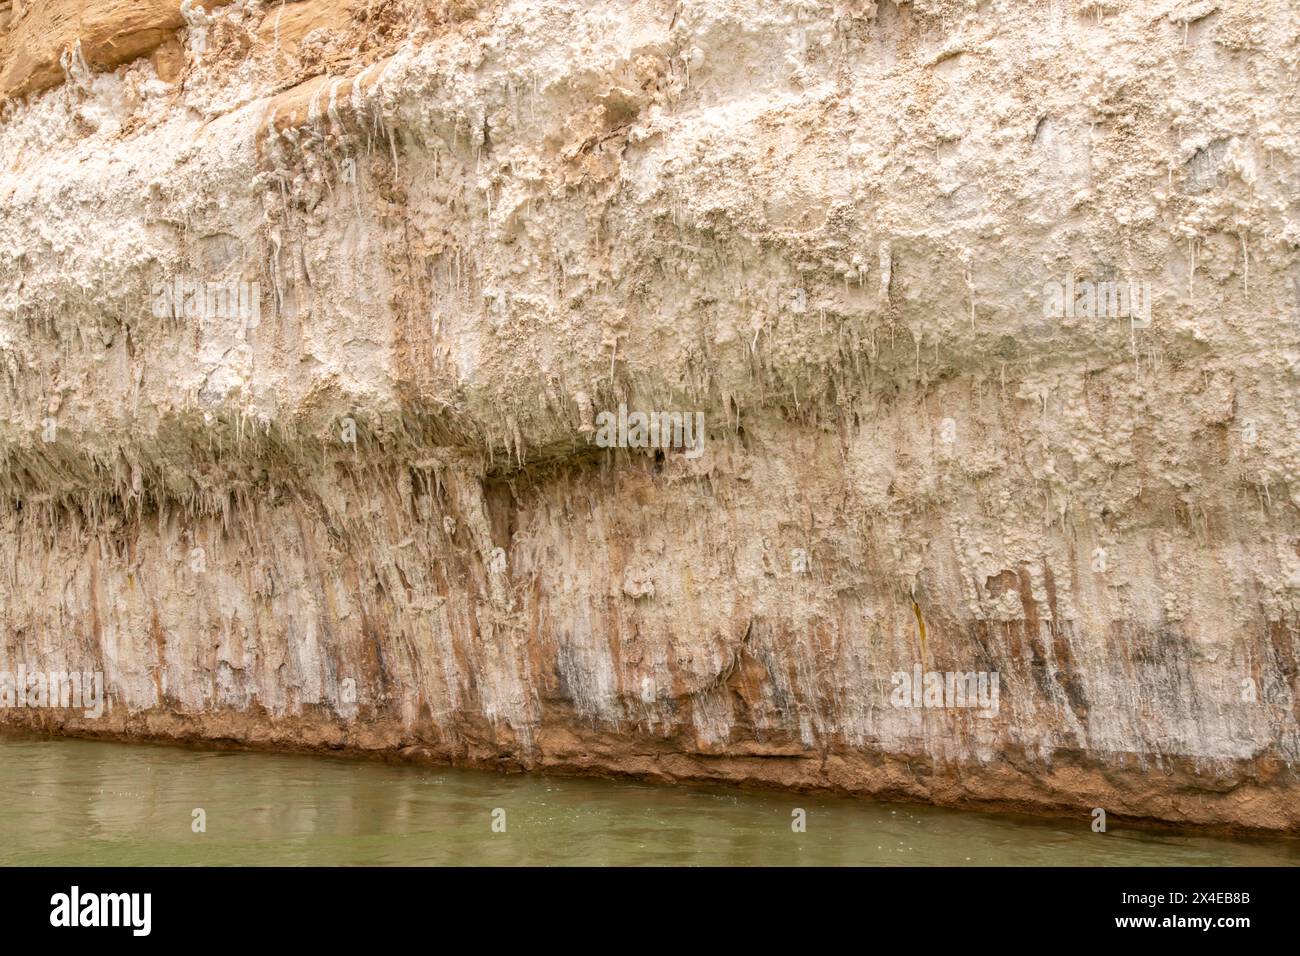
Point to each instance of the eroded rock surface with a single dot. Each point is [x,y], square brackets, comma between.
[356,501]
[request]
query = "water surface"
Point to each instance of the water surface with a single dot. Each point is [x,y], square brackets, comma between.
[77,802]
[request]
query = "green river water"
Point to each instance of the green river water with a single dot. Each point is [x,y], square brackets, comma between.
[76,802]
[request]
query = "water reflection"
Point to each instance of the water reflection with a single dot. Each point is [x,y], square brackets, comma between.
[75,802]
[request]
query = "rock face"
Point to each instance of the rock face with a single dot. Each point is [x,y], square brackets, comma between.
[314,315]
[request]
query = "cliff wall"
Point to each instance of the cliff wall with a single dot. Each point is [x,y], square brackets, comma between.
[310,311]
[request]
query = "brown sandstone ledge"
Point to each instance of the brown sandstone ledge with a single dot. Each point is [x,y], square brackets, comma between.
[1250,798]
